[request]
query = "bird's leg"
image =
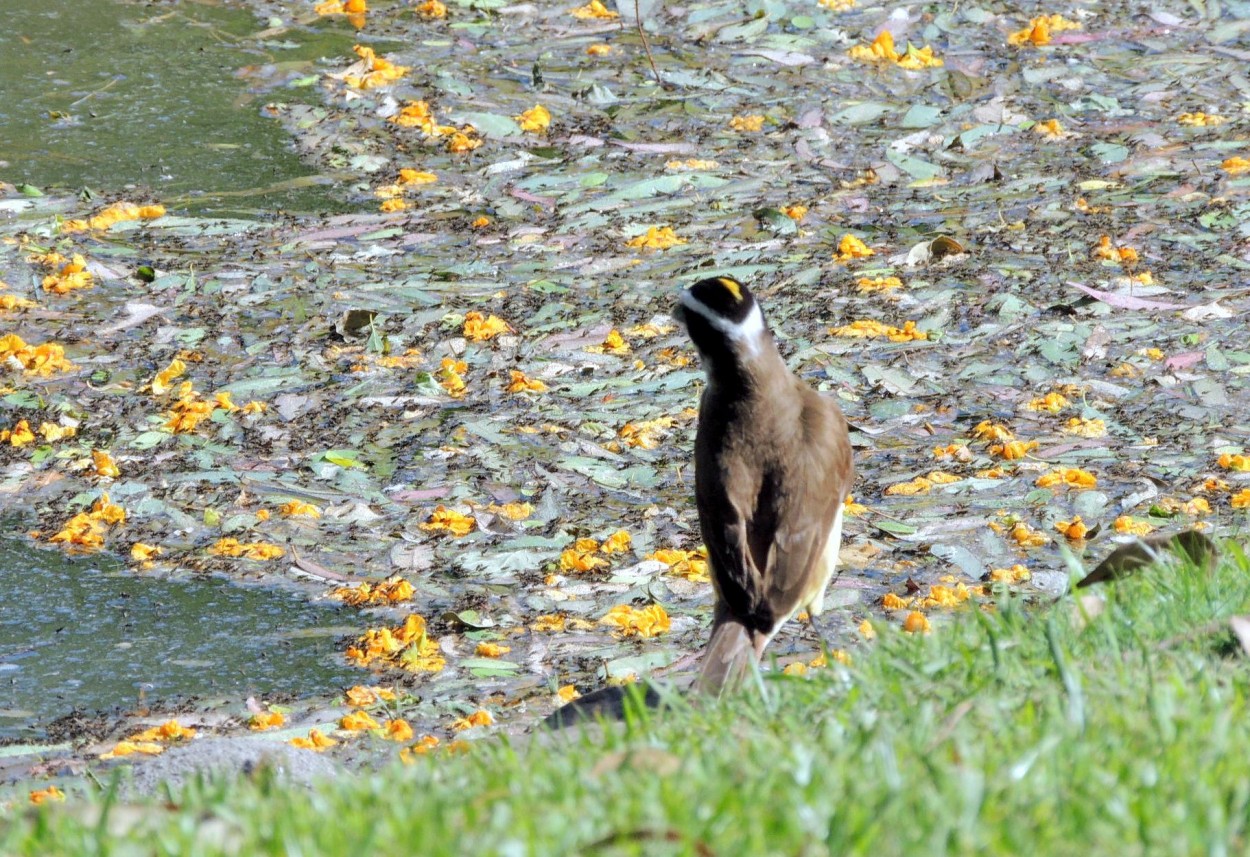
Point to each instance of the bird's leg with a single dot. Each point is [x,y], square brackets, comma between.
[760,641]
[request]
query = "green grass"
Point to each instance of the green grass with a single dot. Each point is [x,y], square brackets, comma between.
[1012,732]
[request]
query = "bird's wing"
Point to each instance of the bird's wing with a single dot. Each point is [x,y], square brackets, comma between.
[810,493]
[738,578]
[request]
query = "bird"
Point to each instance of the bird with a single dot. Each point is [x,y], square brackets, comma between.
[773,469]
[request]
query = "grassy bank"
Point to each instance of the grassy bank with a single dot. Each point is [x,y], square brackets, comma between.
[1016,731]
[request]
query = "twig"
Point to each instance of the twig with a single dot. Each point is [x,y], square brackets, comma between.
[646,46]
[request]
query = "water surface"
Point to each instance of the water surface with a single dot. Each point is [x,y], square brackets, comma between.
[109,94]
[89,634]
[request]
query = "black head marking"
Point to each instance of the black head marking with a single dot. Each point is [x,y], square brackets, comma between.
[724,297]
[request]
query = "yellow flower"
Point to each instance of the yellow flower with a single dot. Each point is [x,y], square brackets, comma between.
[594,9]
[170,730]
[1012,450]
[1235,165]
[866,630]
[1050,129]
[794,212]
[1105,250]
[372,70]
[796,668]
[298,508]
[748,123]
[613,343]
[850,507]
[1241,500]
[1071,477]
[512,511]
[480,328]
[491,650]
[890,601]
[417,114]
[618,542]
[104,464]
[519,382]
[144,553]
[692,565]
[262,551]
[392,205]
[361,696]
[425,745]
[264,720]
[431,9]
[535,120]
[567,694]
[598,50]
[481,717]
[443,519]
[549,622]
[72,275]
[878,284]
[1073,530]
[850,248]
[646,434]
[917,58]
[945,596]
[397,729]
[481,222]
[463,141]
[1201,120]
[882,48]
[871,329]
[691,164]
[1130,526]
[1037,33]
[581,557]
[986,430]
[20,435]
[1052,402]
[916,623]
[1016,574]
[357,721]
[1235,462]
[919,485]
[315,741]
[131,748]
[650,621]
[451,378]
[656,238]
[838,5]
[39,796]
[390,591]
[1026,537]
[40,360]
[410,176]
[1082,427]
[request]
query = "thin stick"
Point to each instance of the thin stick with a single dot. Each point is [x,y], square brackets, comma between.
[646,46]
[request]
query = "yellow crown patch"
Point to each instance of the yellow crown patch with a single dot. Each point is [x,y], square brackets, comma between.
[732,286]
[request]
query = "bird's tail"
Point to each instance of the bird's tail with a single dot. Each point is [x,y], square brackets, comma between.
[729,657]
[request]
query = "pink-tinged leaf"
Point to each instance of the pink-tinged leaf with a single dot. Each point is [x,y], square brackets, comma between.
[658,148]
[1183,361]
[526,196]
[1124,301]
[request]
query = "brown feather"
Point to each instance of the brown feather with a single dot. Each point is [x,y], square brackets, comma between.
[773,466]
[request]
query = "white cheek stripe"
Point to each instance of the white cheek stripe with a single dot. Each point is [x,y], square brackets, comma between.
[748,331]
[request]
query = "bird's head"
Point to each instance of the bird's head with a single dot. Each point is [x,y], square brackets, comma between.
[723,320]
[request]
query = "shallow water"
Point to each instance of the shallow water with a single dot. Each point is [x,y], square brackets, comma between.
[88,634]
[110,94]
